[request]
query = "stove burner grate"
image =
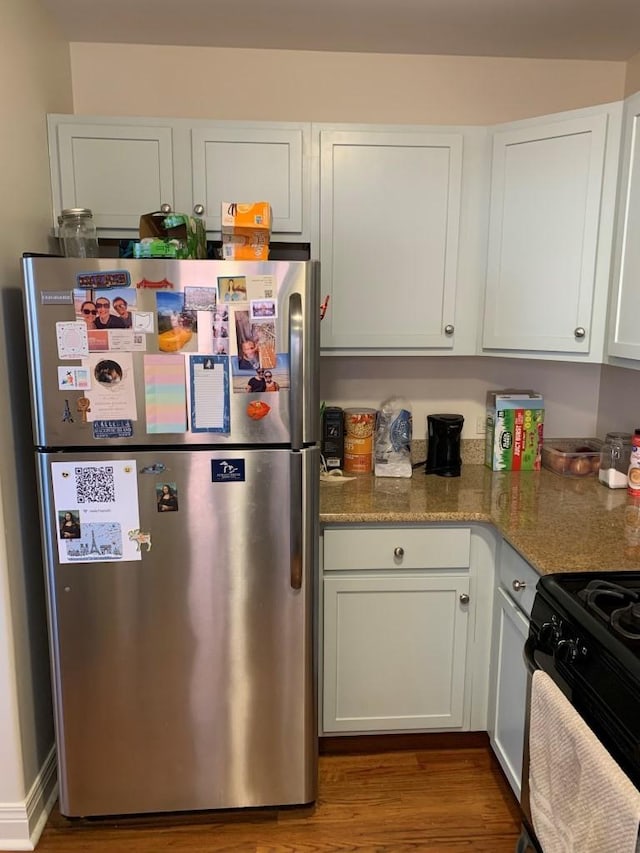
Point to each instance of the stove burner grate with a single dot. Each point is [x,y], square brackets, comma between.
[626,621]
[605,598]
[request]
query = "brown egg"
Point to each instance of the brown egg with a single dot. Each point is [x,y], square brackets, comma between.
[580,465]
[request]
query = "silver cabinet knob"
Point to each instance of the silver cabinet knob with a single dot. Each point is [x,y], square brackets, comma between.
[449,329]
[464,598]
[580,332]
[198,209]
[398,552]
[518,586]
[165,208]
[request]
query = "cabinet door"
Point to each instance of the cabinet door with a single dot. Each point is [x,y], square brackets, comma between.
[119,171]
[394,652]
[546,192]
[241,163]
[624,336]
[389,222]
[510,677]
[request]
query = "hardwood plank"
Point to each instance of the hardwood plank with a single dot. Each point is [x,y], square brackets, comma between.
[445,800]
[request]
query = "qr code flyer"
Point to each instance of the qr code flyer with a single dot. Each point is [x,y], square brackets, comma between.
[96,509]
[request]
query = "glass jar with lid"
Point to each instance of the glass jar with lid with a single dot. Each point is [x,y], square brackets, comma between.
[78,233]
[614,460]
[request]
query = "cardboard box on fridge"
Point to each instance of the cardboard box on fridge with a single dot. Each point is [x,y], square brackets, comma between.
[171,235]
[237,247]
[514,430]
[250,220]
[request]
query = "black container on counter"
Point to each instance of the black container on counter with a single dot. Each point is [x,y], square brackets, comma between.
[333,437]
[443,445]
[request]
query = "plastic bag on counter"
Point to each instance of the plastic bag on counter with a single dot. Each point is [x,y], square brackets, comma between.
[392,439]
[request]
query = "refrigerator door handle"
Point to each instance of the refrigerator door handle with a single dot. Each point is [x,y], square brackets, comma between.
[296,369]
[296,521]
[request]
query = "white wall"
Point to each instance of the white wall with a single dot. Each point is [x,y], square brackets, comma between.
[280,85]
[35,78]
[632,78]
[619,400]
[450,384]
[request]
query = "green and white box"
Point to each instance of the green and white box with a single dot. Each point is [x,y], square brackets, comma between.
[514,430]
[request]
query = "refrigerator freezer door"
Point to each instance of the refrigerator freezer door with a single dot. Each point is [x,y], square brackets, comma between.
[186,680]
[52,298]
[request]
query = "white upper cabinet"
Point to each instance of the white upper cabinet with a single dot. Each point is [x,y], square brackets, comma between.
[241,162]
[119,170]
[550,230]
[122,168]
[624,334]
[389,238]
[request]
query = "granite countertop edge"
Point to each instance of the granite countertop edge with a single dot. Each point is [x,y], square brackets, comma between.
[556,523]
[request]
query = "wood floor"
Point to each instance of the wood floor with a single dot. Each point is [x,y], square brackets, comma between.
[452,800]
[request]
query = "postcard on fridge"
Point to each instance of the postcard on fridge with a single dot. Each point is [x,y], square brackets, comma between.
[96,509]
[112,395]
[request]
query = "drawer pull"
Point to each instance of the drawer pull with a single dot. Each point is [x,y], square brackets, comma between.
[518,586]
[398,552]
[464,598]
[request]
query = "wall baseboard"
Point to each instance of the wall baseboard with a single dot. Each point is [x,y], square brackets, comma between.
[21,823]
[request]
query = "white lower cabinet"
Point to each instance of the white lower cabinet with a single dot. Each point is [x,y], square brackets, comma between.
[395,651]
[405,629]
[507,734]
[508,704]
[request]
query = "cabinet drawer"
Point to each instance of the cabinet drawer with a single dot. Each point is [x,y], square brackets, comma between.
[514,568]
[396,548]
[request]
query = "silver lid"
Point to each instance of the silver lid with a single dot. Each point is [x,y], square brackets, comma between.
[75,211]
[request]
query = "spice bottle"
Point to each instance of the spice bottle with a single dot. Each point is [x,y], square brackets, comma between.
[634,465]
[78,233]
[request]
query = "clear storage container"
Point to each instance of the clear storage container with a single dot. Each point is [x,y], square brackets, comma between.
[78,233]
[572,457]
[614,460]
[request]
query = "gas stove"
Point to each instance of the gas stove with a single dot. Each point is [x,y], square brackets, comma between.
[617,604]
[606,608]
[585,633]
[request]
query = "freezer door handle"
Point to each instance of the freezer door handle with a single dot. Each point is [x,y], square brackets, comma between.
[296,368]
[296,521]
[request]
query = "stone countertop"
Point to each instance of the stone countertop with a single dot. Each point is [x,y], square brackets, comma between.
[557,523]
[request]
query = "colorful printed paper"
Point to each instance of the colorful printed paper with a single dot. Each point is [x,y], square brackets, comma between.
[165,394]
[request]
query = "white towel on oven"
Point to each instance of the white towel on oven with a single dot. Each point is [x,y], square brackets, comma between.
[581,801]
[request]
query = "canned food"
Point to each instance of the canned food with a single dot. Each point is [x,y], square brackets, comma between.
[359,425]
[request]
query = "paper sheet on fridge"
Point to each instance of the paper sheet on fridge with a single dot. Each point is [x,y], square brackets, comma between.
[165,393]
[209,391]
[112,395]
[97,513]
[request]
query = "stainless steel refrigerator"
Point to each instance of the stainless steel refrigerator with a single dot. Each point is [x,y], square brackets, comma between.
[179,519]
